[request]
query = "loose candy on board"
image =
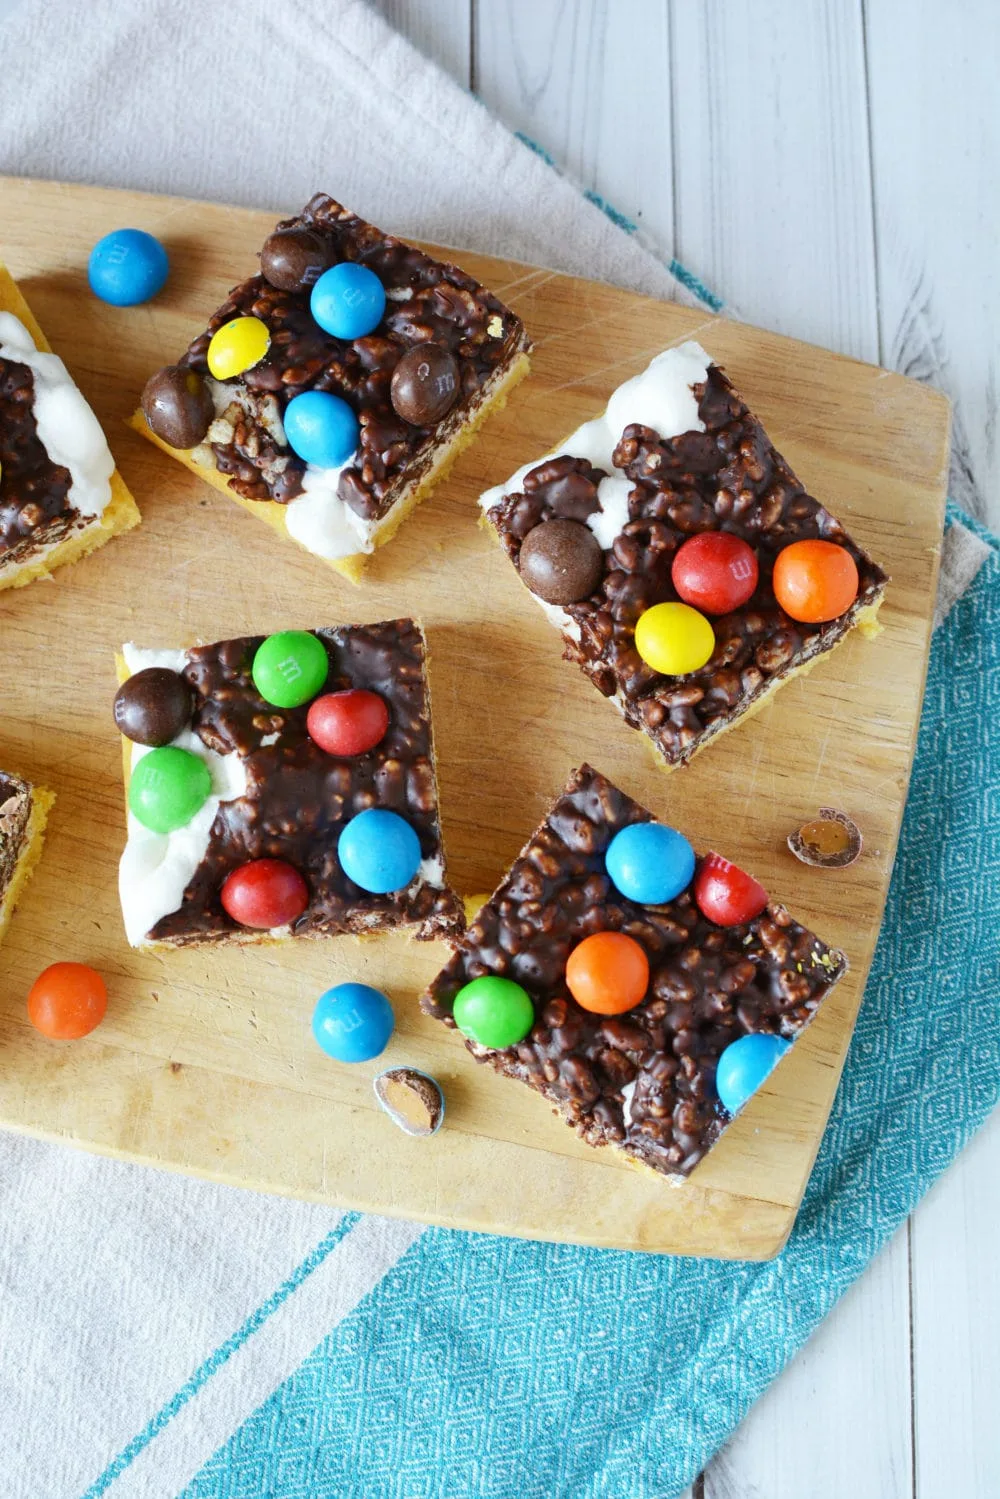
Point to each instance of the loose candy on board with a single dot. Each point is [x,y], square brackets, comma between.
[127,267]
[67,1001]
[412,1099]
[830,840]
[353,1022]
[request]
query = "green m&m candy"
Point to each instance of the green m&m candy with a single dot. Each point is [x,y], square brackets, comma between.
[290,668]
[167,788]
[495,1012]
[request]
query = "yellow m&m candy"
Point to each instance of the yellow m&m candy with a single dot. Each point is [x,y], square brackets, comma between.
[674,639]
[237,346]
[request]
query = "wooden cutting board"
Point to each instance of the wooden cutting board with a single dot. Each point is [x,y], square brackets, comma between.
[205,1062]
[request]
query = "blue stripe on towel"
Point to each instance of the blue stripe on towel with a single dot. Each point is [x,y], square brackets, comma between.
[221,1355]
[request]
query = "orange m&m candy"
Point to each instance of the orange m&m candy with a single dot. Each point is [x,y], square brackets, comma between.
[608,973]
[67,1001]
[815,581]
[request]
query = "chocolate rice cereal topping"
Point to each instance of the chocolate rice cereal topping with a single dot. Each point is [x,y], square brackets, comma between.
[34,491]
[643,1080]
[298,797]
[427,301]
[727,477]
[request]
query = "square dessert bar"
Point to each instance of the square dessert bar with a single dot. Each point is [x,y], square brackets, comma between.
[635,1067]
[441,353]
[676,456]
[24,810]
[60,494]
[261,770]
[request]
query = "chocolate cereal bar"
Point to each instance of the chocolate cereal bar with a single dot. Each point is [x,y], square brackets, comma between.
[640,1070]
[437,353]
[282,786]
[673,512]
[23,812]
[60,495]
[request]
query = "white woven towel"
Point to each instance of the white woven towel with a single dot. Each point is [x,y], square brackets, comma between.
[263,105]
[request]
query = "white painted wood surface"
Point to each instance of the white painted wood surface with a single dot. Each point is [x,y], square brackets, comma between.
[833,170]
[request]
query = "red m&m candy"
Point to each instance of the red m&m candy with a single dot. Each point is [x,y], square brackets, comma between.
[348,723]
[815,581]
[608,973]
[726,894]
[715,571]
[265,893]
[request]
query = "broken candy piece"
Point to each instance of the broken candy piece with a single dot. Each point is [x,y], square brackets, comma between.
[412,1100]
[829,841]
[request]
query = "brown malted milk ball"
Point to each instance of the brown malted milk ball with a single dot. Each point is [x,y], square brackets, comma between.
[153,706]
[425,385]
[294,259]
[561,561]
[178,406]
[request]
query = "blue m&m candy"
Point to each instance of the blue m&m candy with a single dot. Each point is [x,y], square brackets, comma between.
[379,851]
[353,1022]
[127,267]
[321,428]
[744,1065]
[348,300]
[650,863]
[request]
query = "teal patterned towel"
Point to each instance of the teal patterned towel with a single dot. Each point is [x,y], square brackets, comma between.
[489,1367]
